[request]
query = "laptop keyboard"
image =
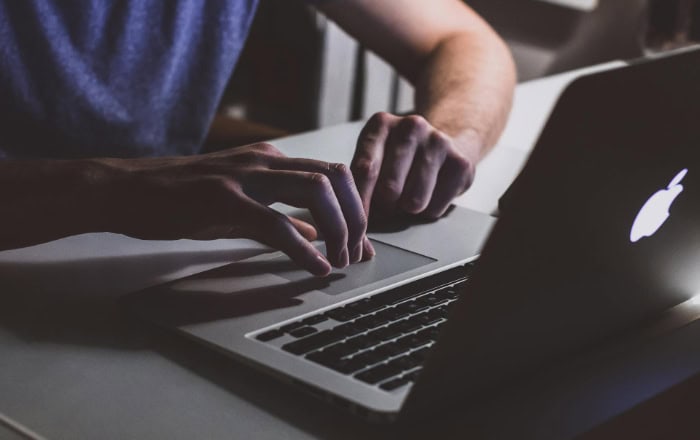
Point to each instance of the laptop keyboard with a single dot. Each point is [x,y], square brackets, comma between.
[382,340]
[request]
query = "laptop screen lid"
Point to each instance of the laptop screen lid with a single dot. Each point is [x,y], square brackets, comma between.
[601,232]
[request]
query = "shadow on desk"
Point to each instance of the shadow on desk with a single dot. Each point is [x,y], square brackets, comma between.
[75,302]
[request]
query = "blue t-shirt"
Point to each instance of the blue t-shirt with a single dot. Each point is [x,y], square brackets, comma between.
[117,78]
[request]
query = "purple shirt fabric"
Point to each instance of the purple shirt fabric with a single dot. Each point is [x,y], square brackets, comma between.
[114,78]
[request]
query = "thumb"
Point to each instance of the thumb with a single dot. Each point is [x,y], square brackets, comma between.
[305,229]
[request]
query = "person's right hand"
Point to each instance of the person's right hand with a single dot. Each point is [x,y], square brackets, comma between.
[226,195]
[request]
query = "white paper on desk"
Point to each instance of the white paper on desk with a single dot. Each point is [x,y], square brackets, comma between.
[582,5]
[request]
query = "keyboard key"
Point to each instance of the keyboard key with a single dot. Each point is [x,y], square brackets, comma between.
[269,335]
[444,294]
[311,343]
[390,349]
[289,327]
[413,375]
[340,350]
[407,326]
[392,313]
[395,296]
[350,329]
[313,320]
[433,300]
[436,314]
[412,341]
[361,342]
[302,331]
[426,318]
[371,321]
[368,358]
[429,334]
[321,357]
[344,366]
[398,294]
[459,286]
[366,305]
[420,355]
[440,311]
[341,314]
[405,363]
[393,384]
[377,374]
[418,319]
[424,301]
[385,333]
[412,307]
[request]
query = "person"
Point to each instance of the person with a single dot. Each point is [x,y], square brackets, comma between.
[104,105]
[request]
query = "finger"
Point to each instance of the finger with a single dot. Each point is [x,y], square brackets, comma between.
[456,175]
[277,231]
[367,161]
[368,251]
[399,153]
[306,230]
[312,191]
[423,176]
[346,192]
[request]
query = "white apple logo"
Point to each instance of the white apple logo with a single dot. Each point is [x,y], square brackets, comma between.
[654,213]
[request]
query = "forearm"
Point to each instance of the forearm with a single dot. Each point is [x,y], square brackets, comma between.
[465,89]
[42,200]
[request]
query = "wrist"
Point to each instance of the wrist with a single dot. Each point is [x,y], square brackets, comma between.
[470,144]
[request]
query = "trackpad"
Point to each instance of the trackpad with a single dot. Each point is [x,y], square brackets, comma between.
[388,262]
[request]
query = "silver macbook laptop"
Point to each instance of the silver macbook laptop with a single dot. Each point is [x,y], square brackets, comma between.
[599,233]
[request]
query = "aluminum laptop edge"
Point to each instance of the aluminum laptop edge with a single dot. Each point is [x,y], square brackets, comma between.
[228,307]
[558,273]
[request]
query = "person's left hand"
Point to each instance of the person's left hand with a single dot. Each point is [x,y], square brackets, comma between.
[404,164]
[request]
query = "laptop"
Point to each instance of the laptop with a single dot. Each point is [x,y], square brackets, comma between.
[600,234]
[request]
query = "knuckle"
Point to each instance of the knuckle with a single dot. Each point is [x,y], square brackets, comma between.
[365,169]
[268,148]
[368,140]
[439,141]
[411,128]
[464,165]
[415,123]
[465,171]
[436,149]
[380,119]
[375,129]
[391,188]
[461,163]
[249,157]
[216,186]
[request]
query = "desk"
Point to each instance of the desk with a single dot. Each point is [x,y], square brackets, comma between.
[72,366]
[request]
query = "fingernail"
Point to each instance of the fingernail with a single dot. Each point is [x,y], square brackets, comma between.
[323,268]
[357,253]
[344,259]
